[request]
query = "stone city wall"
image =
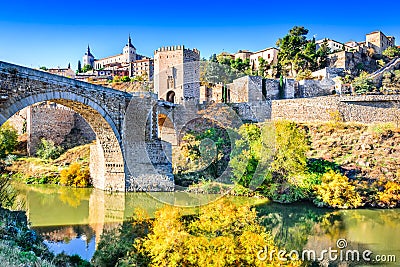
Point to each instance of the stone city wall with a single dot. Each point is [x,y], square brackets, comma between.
[312,88]
[254,111]
[364,109]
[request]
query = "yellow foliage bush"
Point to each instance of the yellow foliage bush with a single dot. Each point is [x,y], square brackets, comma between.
[222,235]
[75,175]
[336,191]
[390,196]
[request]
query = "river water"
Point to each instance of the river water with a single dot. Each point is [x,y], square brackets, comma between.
[73,219]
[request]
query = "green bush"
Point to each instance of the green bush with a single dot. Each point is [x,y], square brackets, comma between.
[125,79]
[246,155]
[363,84]
[8,139]
[391,52]
[292,144]
[320,166]
[48,150]
[265,158]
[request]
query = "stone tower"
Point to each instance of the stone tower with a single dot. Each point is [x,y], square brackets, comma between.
[129,51]
[88,58]
[177,74]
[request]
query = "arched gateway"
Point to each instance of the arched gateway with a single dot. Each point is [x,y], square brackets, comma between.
[103,108]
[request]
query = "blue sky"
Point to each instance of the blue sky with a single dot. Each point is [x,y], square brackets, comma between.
[54,33]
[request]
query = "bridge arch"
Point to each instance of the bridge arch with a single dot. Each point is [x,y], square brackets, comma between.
[106,156]
[125,125]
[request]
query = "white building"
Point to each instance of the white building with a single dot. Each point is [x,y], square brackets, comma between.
[128,55]
[270,55]
[88,58]
[332,44]
[126,63]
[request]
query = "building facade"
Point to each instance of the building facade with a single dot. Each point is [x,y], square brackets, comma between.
[177,73]
[143,67]
[243,55]
[65,72]
[379,41]
[128,62]
[331,44]
[270,55]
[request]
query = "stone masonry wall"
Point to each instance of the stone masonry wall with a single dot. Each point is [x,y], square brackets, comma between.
[312,88]
[53,122]
[364,109]
[18,121]
[254,111]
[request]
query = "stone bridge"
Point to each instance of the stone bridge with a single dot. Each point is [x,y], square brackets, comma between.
[128,155]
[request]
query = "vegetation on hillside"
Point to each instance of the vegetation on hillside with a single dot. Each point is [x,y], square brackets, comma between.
[336,164]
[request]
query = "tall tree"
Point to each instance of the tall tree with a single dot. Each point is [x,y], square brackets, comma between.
[291,46]
[322,55]
[79,66]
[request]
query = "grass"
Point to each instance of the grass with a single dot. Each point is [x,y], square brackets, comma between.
[381,128]
[12,255]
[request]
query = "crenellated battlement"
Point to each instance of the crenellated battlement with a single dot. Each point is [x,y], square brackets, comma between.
[175,48]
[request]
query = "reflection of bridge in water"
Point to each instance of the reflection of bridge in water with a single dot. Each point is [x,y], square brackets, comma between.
[62,213]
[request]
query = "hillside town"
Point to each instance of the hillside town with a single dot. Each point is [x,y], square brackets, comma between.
[172,73]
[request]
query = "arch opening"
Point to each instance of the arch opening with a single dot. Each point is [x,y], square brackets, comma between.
[107,166]
[171,96]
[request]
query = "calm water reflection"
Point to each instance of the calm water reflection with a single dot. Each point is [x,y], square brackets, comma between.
[72,220]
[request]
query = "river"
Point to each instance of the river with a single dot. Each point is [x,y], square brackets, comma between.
[73,219]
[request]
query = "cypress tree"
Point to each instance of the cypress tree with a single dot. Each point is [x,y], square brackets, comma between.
[79,66]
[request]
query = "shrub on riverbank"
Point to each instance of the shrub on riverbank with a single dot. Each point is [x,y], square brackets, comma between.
[31,170]
[336,191]
[75,175]
[48,150]
[8,139]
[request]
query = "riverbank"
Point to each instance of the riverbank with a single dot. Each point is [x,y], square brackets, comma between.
[34,170]
[332,164]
